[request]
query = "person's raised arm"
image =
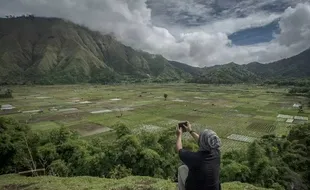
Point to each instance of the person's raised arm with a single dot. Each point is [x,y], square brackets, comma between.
[191,131]
[179,139]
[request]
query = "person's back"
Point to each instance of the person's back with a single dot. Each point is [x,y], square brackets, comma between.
[201,169]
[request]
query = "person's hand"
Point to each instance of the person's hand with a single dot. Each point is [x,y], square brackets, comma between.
[188,127]
[179,131]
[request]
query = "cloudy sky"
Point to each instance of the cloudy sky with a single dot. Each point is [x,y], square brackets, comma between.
[196,32]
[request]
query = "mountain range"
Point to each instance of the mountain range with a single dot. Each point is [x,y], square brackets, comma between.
[35,50]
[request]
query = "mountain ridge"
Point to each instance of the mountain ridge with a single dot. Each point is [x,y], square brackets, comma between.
[37,50]
[54,50]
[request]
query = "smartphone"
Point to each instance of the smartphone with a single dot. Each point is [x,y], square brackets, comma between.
[181,125]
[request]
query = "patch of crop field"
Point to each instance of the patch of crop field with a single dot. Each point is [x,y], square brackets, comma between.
[293,112]
[59,117]
[42,126]
[108,137]
[275,105]
[246,110]
[88,129]
[185,117]
[282,128]
[262,126]
[241,138]
[229,145]
[147,128]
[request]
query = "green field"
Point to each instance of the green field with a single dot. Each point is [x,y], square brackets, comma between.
[227,109]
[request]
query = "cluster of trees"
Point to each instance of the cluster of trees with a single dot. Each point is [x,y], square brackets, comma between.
[64,153]
[300,90]
[30,16]
[289,82]
[6,93]
[281,163]
[273,162]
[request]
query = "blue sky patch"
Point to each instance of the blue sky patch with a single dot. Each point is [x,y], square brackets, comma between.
[255,35]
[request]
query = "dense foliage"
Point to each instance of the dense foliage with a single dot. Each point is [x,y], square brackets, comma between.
[277,162]
[273,162]
[300,90]
[63,153]
[290,82]
[6,93]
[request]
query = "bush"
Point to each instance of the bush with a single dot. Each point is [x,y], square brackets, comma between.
[119,172]
[7,93]
[58,168]
[235,172]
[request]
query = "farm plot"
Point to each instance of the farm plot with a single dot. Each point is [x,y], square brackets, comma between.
[262,126]
[88,129]
[229,145]
[241,138]
[147,128]
[42,126]
[59,117]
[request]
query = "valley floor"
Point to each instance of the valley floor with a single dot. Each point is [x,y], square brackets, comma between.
[238,113]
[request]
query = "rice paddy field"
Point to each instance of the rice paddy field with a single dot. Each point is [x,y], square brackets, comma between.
[238,113]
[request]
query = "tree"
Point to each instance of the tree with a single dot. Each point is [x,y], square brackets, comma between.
[12,145]
[119,172]
[47,154]
[122,130]
[165,96]
[59,168]
[7,93]
[300,109]
[235,172]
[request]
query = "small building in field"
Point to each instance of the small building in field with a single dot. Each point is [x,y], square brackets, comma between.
[289,120]
[301,118]
[285,116]
[7,107]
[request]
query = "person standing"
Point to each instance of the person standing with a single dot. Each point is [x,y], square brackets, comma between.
[201,169]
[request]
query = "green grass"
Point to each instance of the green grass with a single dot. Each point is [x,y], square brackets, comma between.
[225,109]
[48,125]
[15,182]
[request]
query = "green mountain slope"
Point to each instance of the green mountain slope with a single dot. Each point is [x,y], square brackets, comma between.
[295,67]
[228,73]
[14,182]
[50,50]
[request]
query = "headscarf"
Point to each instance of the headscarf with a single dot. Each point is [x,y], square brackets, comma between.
[209,141]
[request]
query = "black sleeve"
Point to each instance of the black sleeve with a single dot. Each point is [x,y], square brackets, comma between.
[187,157]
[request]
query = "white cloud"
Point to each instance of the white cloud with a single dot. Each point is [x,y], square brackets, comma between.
[131,22]
[232,25]
[295,25]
